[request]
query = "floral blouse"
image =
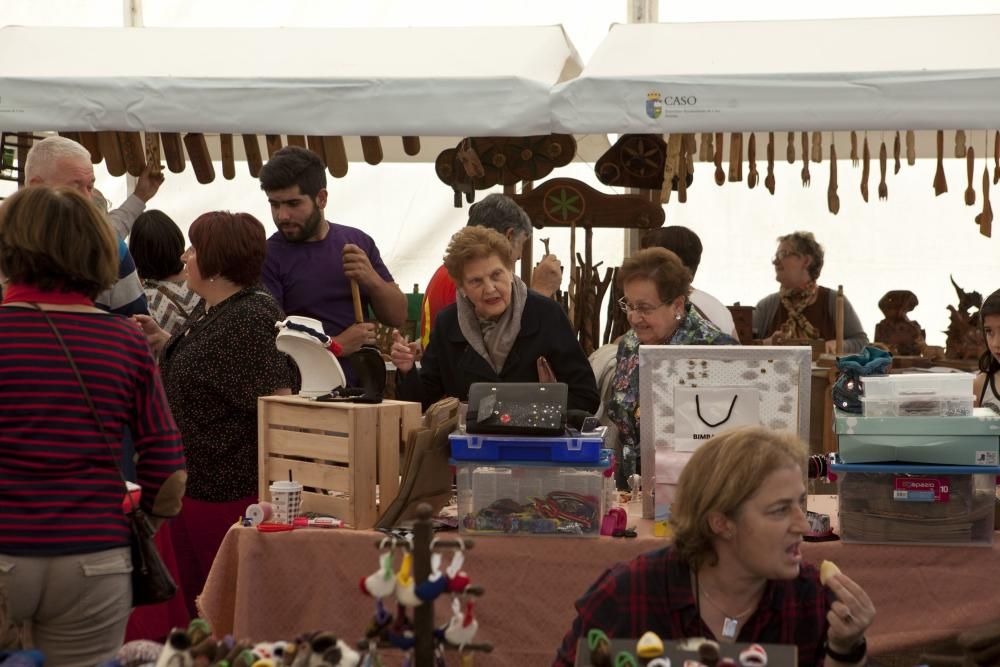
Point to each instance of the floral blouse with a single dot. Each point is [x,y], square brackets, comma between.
[623,405]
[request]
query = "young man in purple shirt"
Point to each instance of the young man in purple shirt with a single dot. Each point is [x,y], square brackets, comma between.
[311,262]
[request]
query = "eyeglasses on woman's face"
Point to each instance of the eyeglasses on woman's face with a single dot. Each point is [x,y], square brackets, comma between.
[782,254]
[641,309]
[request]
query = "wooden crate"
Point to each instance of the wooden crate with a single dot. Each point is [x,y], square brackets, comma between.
[345,454]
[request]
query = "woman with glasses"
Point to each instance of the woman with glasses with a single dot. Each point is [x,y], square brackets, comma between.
[802,309]
[656,285]
[497,331]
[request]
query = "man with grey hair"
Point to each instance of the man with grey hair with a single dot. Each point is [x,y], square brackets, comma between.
[57,161]
[501,214]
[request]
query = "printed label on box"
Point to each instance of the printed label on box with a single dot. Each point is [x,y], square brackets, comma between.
[988,458]
[921,489]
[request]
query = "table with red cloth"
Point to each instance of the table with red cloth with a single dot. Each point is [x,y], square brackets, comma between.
[267,586]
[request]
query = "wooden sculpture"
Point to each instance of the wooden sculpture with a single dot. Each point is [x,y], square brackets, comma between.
[964,338]
[898,332]
[635,161]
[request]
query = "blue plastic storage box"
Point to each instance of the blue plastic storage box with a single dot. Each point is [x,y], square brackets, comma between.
[556,449]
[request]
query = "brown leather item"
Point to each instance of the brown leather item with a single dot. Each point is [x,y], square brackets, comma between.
[112,151]
[251,147]
[201,162]
[371,148]
[336,156]
[133,152]
[173,151]
[411,145]
[90,141]
[228,158]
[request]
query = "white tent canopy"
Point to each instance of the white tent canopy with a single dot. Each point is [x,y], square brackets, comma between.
[324,81]
[873,74]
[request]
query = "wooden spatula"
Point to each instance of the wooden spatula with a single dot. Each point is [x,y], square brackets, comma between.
[959,144]
[152,141]
[832,199]
[866,157]
[273,143]
[371,149]
[970,191]
[996,158]
[315,144]
[752,175]
[251,147]
[940,184]
[133,152]
[173,151]
[297,140]
[895,153]
[769,179]
[90,141]
[720,175]
[911,148]
[883,189]
[985,219]
[228,156]
[411,145]
[790,148]
[735,157]
[336,156]
[705,150]
[112,151]
[806,178]
[201,161]
[817,147]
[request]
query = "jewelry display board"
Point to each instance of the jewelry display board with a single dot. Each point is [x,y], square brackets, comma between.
[778,377]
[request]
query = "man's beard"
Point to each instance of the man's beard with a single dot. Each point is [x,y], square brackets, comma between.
[308,230]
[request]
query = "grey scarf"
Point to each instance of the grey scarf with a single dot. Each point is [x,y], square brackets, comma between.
[493,339]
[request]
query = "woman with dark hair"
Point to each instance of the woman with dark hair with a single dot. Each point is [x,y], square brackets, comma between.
[989,363]
[802,309]
[65,561]
[734,571]
[214,370]
[156,244]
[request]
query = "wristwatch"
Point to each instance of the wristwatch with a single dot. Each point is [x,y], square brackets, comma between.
[854,656]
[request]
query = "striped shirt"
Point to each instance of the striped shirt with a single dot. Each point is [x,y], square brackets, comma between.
[60,491]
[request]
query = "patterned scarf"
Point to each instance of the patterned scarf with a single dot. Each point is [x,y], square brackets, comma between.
[493,339]
[795,301]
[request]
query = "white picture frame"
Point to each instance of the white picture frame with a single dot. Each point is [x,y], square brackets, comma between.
[781,374]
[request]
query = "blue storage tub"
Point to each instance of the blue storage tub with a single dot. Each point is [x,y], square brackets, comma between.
[557,449]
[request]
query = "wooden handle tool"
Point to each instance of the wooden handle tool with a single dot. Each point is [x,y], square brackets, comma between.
[173,151]
[752,175]
[866,157]
[359,316]
[790,148]
[883,189]
[152,141]
[228,156]
[940,184]
[90,141]
[297,140]
[854,148]
[832,199]
[735,157]
[251,147]
[895,153]
[315,144]
[371,149]
[336,156]
[970,191]
[201,161]
[985,219]
[681,169]
[705,150]
[911,148]
[411,145]
[112,151]
[720,175]
[959,144]
[806,178]
[817,147]
[133,152]
[996,157]
[273,143]
[769,179]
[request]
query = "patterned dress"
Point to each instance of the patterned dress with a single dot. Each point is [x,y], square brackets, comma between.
[623,405]
[170,303]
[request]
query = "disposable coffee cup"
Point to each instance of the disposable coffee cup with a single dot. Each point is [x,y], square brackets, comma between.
[286,497]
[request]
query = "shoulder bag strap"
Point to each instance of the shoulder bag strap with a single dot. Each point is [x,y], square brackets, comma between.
[90,402]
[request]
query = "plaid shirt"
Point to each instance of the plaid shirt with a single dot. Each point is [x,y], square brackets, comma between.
[653,592]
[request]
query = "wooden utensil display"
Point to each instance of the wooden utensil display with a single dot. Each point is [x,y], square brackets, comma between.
[817,147]
[832,199]
[996,157]
[201,161]
[371,149]
[228,156]
[769,179]
[911,148]
[895,153]
[959,144]
[970,190]
[273,143]
[133,152]
[173,151]
[752,175]
[985,219]
[854,148]
[806,179]
[883,189]
[251,147]
[735,157]
[866,157]
[720,175]
[152,141]
[112,152]
[336,156]
[790,148]
[411,145]
[940,184]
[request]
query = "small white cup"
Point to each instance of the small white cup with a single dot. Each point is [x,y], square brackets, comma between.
[286,497]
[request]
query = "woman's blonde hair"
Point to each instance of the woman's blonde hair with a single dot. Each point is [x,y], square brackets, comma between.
[663,267]
[56,239]
[471,243]
[721,475]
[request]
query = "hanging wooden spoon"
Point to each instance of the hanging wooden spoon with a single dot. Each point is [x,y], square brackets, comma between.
[883,189]
[865,170]
[720,175]
[996,157]
[959,144]
[769,179]
[970,191]
[752,175]
[895,153]
[985,219]
[806,178]
[911,148]
[735,157]
[790,148]
[940,184]
[832,199]
[817,147]
[854,148]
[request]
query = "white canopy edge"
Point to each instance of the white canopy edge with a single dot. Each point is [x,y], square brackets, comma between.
[484,81]
[866,74]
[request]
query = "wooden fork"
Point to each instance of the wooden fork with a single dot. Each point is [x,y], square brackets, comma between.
[806,180]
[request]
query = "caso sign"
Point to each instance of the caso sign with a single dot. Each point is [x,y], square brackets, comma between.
[655,102]
[680,101]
